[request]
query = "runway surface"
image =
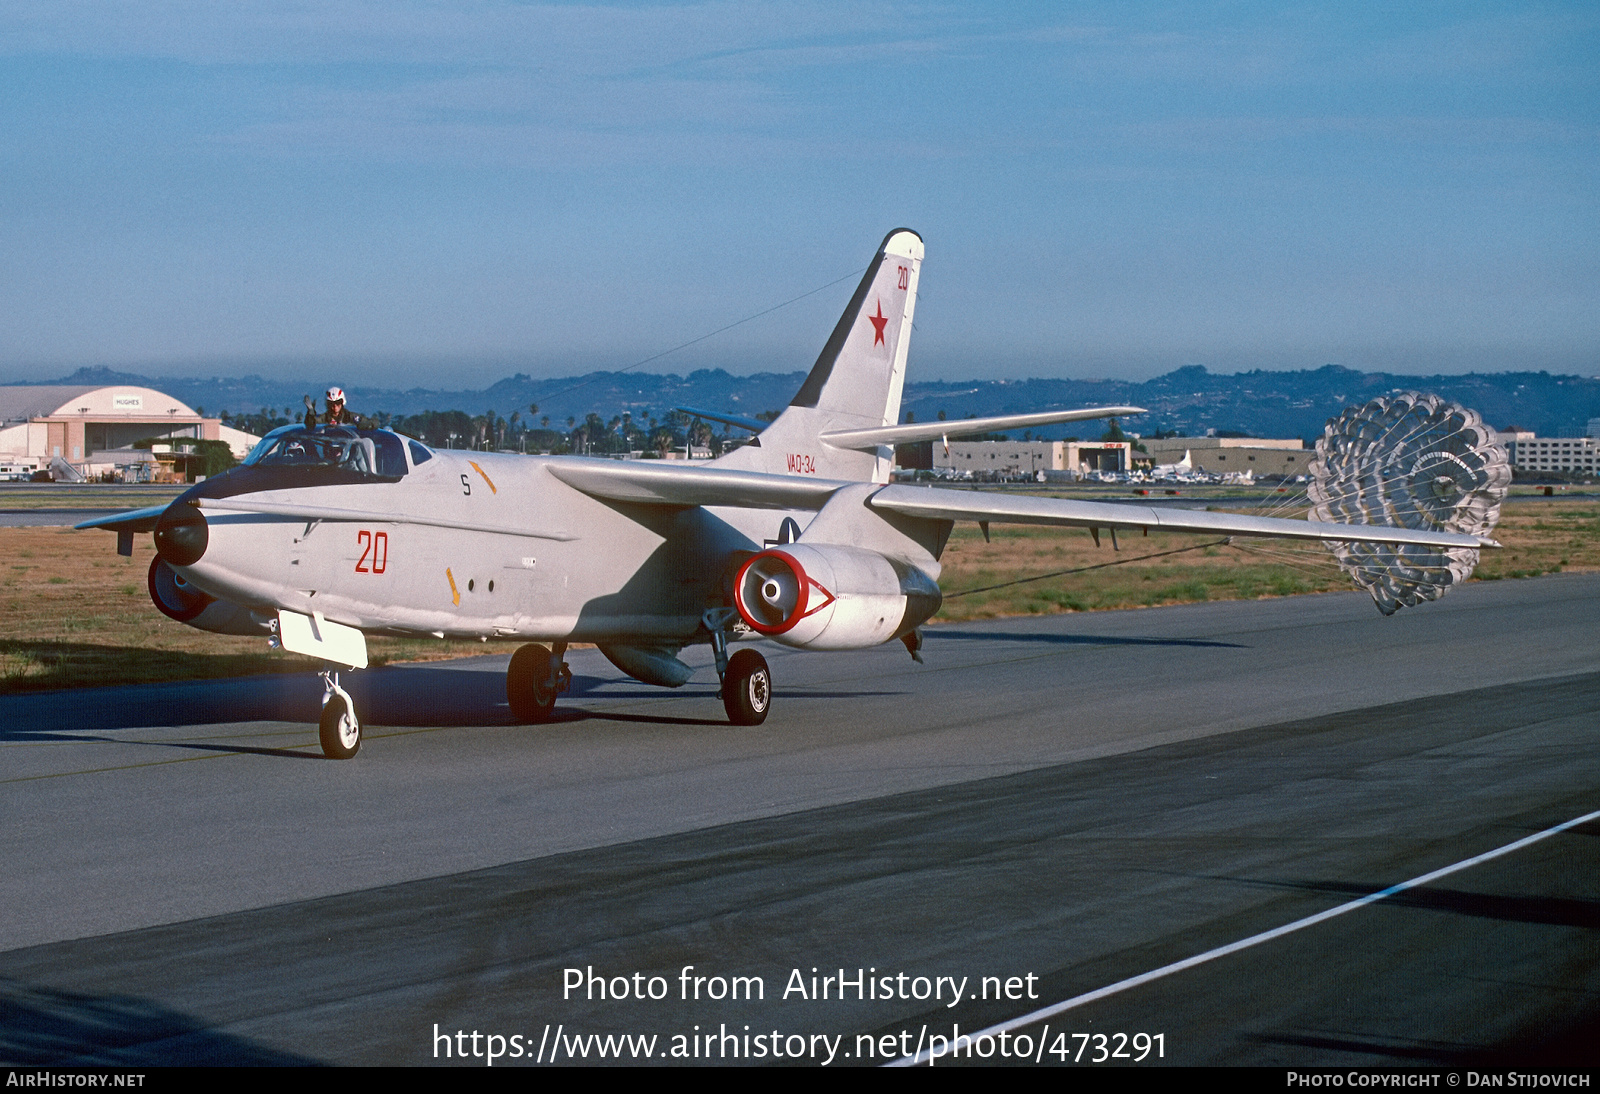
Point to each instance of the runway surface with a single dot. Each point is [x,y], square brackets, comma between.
[1058,803]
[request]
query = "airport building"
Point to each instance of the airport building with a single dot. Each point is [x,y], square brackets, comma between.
[1531,453]
[92,429]
[1221,455]
[1031,457]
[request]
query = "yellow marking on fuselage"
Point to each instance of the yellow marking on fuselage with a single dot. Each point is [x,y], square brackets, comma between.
[486,478]
[455,593]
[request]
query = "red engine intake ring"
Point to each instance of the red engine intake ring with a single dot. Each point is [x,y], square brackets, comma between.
[802,583]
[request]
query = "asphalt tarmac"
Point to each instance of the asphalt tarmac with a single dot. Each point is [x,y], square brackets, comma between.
[1048,807]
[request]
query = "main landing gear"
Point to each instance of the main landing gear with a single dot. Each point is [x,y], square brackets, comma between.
[746,680]
[538,675]
[747,689]
[533,681]
[339,729]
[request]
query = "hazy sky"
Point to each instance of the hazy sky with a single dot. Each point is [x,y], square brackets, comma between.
[442,193]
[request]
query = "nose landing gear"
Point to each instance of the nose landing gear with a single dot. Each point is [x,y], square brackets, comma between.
[339,728]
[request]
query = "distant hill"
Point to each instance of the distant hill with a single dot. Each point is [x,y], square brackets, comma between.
[1189,400]
[608,393]
[1273,404]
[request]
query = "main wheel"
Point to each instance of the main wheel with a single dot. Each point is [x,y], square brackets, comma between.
[340,729]
[528,688]
[747,689]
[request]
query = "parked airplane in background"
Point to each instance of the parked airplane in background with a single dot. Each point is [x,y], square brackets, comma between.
[328,534]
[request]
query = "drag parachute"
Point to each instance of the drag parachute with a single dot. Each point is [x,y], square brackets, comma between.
[1409,461]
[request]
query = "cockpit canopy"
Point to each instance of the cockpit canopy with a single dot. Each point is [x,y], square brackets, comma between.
[377,453]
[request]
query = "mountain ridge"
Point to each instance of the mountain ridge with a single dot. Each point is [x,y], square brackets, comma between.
[1188,400]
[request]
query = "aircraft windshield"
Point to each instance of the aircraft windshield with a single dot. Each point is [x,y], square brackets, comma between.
[377,452]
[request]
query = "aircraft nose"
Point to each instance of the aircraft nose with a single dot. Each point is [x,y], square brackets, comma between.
[181,534]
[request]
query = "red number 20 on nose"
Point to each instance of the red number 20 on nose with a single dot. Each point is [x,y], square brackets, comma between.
[375,554]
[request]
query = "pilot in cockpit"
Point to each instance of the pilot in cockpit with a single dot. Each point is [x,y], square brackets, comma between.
[337,413]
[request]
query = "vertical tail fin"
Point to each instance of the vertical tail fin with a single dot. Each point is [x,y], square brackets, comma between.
[857,380]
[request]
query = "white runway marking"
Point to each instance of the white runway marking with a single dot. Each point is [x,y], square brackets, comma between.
[1254,940]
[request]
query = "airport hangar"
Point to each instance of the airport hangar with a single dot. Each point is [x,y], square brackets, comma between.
[92,427]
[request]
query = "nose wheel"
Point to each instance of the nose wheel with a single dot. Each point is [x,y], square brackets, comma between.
[339,729]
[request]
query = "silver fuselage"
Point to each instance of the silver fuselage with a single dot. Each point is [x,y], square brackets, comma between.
[516,553]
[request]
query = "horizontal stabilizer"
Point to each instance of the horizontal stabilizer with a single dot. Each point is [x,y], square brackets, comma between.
[936,504]
[372,516]
[663,482]
[966,427]
[739,421]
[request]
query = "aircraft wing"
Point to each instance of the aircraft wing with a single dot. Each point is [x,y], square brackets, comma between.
[931,502]
[247,504]
[966,427]
[134,520]
[674,483]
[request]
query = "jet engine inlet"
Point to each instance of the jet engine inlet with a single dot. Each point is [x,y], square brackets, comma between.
[176,598]
[180,600]
[771,592]
[829,596]
[181,534]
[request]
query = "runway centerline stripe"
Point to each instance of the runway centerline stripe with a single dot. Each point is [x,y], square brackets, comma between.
[1254,940]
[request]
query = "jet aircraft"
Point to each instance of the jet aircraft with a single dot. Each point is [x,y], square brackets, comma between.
[327,534]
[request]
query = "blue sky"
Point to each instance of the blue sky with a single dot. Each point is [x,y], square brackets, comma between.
[439,194]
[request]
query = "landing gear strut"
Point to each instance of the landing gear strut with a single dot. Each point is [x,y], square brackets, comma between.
[746,680]
[339,729]
[533,681]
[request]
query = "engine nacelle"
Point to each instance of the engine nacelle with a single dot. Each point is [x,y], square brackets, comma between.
[831,597]
[177,599]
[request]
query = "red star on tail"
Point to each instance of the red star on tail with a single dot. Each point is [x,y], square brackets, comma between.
[878,322]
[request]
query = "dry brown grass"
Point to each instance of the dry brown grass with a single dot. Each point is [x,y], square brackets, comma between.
[76,614]
[1540,536]
[1206,571]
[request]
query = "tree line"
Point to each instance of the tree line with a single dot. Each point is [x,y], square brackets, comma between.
[530,432]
